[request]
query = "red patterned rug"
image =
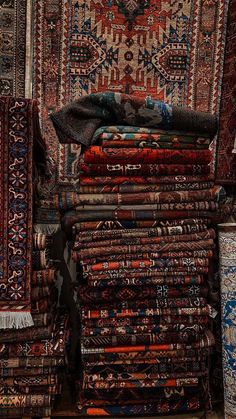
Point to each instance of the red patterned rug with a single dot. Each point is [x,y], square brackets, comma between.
[17,117]
[171,50]
[226,158]
[12,47]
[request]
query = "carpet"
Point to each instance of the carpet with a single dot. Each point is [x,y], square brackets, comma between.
[12,47]
[132,47]
[226,157]
[227,248]
[172,51]
[18,129]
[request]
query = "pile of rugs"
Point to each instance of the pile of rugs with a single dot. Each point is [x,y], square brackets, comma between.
[143,241]
[33,331]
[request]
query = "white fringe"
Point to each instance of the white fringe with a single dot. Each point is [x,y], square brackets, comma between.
[48,229]
[15,320]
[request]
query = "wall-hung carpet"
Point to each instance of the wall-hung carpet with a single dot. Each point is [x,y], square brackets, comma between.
[12,47]
[16,148]
[226,153]
[171,50]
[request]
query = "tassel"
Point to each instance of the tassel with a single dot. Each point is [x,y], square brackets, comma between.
[48,229]
[15,320]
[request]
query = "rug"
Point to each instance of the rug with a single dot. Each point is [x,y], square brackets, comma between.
[226,157]
[17,132]
[13,47]
[172,51]
[227,249]
[101,52]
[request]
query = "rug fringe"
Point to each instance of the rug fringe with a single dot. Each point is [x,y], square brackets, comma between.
[49,229]
[15,320]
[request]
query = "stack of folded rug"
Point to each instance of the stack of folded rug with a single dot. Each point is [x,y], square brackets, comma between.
[143,242]
[31,359]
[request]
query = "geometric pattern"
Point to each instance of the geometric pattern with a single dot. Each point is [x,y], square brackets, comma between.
[17,117]
[227,249]
[12,47]
[168,49]
[226,157]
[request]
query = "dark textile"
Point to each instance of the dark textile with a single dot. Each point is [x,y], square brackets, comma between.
[150,303]
[132,356]
[31,362]
[128,219]
[102,397]
[43,319]
[31,333]
[30,381]
[174,311]
[176,234]
[88,294]
[78,121]
[144,169]
[190,264]
[145,198]
[140,339]
[37,389]
[143,383]
[53,346]
[17,412]
[155,408]
[138,329]
[43,277]
[144,256]
[41,241]
[100,155]
[38,293]
[86,239]
[28,372]
[70,219]
[174,367]
[18,130]
[142,281]
[142,187]
[165,320]
[139,181]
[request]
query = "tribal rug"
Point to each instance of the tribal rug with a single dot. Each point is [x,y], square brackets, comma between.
[227,249]
[17,119]
[12,47]
[169,49]
[226,154]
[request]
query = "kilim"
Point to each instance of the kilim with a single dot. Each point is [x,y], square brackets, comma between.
[31,362]
[28,372]
[31,333]
[156,408]
[107,397]
[25,401]
[144,246]
[36,390]
[17,412]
